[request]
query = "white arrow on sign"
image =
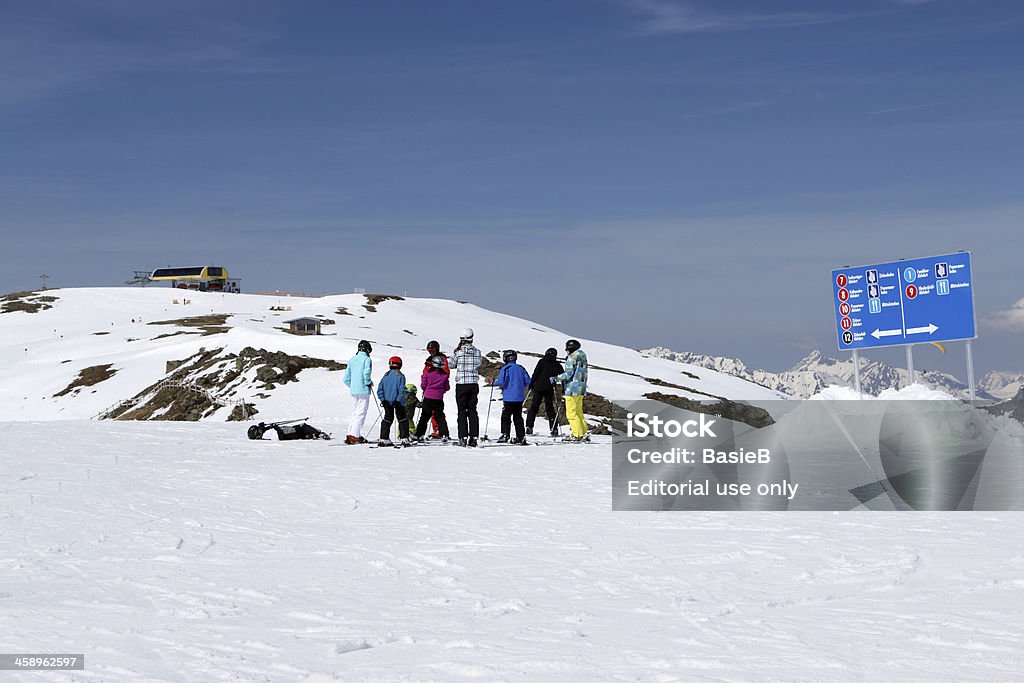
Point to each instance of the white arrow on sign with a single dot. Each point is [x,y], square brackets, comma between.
[919,330]
[878,334]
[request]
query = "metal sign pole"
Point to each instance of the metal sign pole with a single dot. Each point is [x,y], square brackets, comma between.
[970,370]
[910,362]
[856,374]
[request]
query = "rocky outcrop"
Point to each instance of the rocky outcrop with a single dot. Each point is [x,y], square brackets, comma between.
[27,302]
[200,385]
[1014,408]
[373,299]
[206,324]
[87,377]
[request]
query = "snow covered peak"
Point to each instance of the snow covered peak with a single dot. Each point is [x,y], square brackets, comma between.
[1002,385]
[729,366]
[813,361]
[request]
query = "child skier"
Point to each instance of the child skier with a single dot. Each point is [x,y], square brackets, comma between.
[434,383]
[513,379]
[434,349]
[412,402]
[358,380]
[391,392]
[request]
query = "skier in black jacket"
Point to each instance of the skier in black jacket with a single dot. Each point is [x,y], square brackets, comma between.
[543,390]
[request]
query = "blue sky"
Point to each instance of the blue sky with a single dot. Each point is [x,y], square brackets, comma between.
[640,171]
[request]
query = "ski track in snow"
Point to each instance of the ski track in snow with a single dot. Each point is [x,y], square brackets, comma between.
[184,552]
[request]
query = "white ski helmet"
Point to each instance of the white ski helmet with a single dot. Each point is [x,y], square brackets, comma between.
[466,333]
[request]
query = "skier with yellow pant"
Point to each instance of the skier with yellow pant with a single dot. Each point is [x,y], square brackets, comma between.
[574,383]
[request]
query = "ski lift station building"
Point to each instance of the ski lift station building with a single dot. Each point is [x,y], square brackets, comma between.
[202,278]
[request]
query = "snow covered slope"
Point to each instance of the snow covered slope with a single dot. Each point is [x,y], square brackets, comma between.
[183,552]
[87,349]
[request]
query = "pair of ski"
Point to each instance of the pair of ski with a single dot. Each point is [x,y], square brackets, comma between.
[399,445]
[481,444]
[531,442]
[564,441]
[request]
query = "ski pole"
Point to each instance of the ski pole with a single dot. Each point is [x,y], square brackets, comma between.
[525,409]
[379,414]
[558,415]
[375,421]
[487,421]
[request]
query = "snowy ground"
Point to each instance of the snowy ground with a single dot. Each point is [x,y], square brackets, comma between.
[184,552]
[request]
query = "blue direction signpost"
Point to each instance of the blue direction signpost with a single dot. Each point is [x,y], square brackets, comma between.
[905,302]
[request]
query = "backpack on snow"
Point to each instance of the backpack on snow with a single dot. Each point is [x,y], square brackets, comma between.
[288,431]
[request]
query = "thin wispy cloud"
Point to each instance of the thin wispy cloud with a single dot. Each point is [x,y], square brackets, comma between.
[1009,320]
[666,16]
[911,107]
[39,58]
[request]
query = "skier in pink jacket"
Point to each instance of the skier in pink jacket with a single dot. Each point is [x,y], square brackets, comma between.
[434,383]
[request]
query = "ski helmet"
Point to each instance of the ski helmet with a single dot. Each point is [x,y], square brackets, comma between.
[437,361]
[572,345]
[365,347]
[395,363]
[551,353]
[410,389]
[433,347]
[466,333]
[509,356]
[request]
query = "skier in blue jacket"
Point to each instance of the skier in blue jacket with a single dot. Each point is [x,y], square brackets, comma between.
[513,380]
[359,380]
[391,392]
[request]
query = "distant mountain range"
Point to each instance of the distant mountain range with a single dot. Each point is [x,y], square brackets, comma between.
[1002,385]
[816,371]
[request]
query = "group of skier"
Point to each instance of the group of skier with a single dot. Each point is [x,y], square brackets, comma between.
[398,399]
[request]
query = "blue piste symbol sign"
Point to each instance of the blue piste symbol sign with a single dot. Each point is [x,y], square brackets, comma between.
[904,302]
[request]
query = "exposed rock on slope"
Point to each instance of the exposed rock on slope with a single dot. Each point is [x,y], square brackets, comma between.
[1014,408]
[207,324]
[87,377]
[29,302]
[200,385]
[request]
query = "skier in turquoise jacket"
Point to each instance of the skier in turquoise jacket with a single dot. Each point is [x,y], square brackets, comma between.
[574,381]
[358,379]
